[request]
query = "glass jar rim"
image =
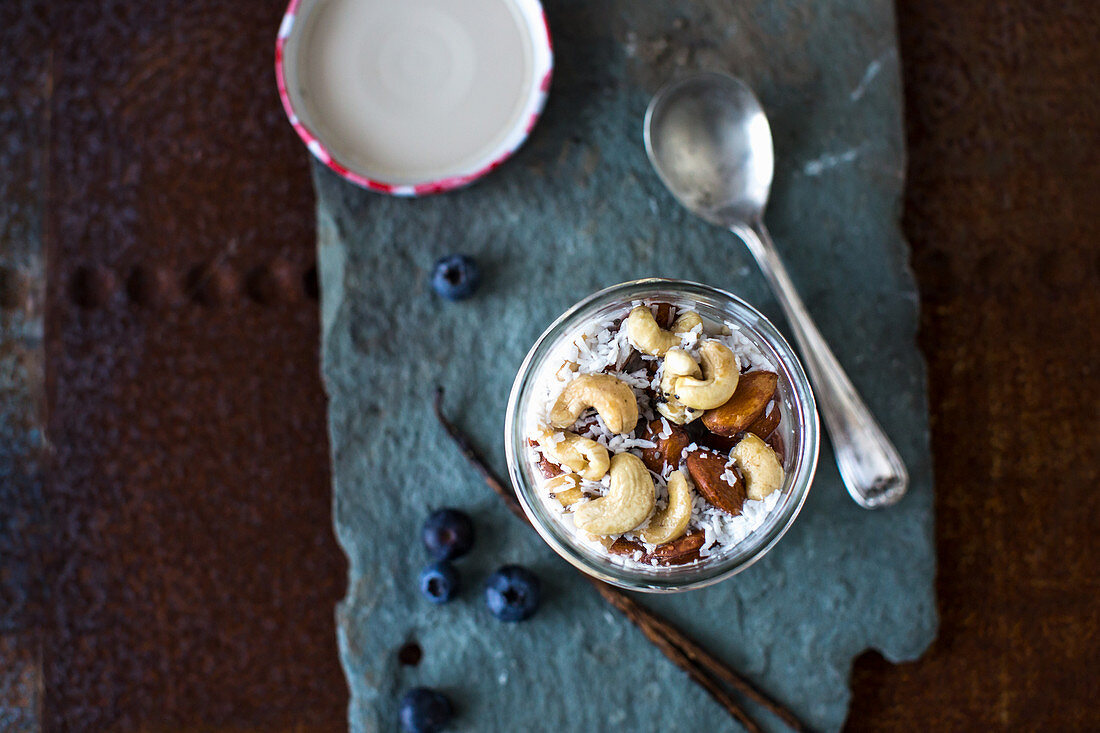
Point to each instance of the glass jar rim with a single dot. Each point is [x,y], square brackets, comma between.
[689,576]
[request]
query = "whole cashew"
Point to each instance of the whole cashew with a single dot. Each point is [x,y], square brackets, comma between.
[721,370]
[627,504]
[759,465]
[672,521]
[646,335]
[678,363]
[581,455]
[649,338]
[611,397]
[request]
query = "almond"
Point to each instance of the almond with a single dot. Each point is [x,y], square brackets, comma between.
[754,391]
[776,443]
[623,546]
[678,552]
[664,315]
[707,468]
[720,443]
[766,424]
[668,451]
[635,362]
[549,468]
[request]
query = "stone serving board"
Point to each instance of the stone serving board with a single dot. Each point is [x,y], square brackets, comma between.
[578,209]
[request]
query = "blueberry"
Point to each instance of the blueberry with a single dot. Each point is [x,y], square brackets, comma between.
[439,582]
[448,533]
[424,710]
[512,593]
[455,277]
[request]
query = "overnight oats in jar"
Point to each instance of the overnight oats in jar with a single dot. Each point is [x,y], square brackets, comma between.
[661,435]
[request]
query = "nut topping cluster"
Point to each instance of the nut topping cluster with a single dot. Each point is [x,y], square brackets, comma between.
[646,453]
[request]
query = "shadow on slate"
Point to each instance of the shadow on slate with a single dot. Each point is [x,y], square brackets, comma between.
[578,209]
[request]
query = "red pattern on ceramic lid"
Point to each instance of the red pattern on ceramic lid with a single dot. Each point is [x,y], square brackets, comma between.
[543,71]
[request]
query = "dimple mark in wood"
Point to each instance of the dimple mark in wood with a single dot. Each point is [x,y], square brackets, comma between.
[150,286]
[92,287]
[271,283]
[211,284]
[214,282]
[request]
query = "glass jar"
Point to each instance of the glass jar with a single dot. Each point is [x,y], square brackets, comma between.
[798,429]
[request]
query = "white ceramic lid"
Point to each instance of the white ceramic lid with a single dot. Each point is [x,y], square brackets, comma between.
[413,96]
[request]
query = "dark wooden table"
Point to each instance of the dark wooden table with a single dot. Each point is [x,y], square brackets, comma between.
[173,566]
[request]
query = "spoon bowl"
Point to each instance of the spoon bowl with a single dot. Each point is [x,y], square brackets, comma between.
[709,141]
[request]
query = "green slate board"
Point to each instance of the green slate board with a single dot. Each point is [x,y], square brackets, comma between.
[577,209]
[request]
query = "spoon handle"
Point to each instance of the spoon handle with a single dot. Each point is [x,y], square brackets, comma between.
[869,463]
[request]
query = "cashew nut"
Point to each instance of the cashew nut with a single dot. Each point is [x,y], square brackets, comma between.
[611,397]
[580,455]
[721,369]
[678,363]
[678,413]
[686,321]
[759,465]
[649,338]
[646,335]
[566,488]
[627,504]
[672,521]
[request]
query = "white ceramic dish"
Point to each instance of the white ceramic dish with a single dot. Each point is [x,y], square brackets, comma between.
[414,96]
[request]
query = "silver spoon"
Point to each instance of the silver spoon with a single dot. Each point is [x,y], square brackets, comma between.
[709,140]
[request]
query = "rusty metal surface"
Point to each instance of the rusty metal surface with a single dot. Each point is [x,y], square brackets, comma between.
[1002,212]
[187,551]
[183,523]
[23,118]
